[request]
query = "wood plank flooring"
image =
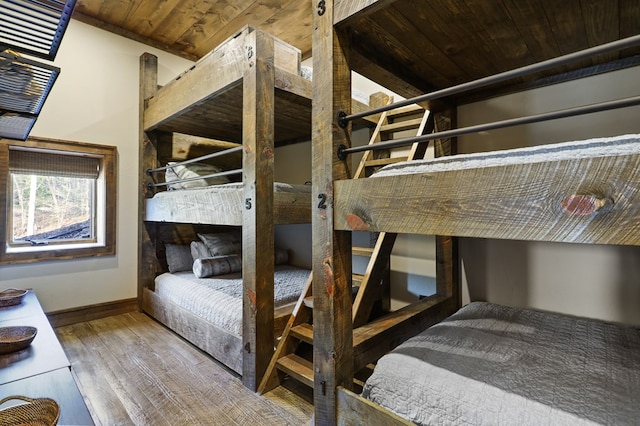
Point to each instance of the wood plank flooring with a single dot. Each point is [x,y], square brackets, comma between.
[131,370]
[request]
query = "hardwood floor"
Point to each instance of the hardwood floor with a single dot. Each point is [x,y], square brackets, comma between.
[131,370]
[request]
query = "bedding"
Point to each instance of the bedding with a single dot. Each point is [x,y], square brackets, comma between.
[192,171]
[219,300]
[490,365]
[590,148]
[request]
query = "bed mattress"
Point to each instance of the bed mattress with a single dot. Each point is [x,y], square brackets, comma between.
[489,364]
[219,299]
[217,204]
[590,148]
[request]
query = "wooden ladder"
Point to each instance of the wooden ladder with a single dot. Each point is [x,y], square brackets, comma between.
[293,354]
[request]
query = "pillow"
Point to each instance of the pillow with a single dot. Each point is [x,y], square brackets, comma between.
[211,266]
[281,256]
[171,176]
[223,243]
[198,250]
[178,257]
[193,170]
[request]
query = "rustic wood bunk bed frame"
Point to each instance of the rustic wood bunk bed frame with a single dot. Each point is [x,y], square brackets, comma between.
[237,104]
[413,51]
[248,90]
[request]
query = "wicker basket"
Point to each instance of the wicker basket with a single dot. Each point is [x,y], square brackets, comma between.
[11,297]
[15,338]
[36,412]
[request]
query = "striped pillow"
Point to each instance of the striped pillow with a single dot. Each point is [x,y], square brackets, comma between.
[211,266]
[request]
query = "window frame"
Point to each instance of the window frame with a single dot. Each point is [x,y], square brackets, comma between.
[106,182]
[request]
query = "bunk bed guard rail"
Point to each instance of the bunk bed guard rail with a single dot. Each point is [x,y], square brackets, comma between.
[343,119]
[229,151]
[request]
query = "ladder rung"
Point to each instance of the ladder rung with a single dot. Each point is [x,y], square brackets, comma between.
[308,302]
[384,161]
[298,368]
[302,332]
[400,126]
[407,110]
[362,251]
[356,279]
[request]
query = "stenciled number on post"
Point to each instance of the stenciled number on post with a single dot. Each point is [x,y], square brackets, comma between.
[247,203]
[323,201]
[322,7]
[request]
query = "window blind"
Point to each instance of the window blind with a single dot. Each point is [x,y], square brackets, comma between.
[53,164]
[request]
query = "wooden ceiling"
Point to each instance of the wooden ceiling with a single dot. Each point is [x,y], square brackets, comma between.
[192,28]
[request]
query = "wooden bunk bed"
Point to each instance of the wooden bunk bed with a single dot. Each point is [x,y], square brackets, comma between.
[445,48]
[232,108]
[248,91]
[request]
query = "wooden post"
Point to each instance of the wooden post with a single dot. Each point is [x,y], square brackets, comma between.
[258,222]
[332,330]
[447,262]
[147,158]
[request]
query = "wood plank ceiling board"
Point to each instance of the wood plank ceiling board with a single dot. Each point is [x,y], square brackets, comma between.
[192,28]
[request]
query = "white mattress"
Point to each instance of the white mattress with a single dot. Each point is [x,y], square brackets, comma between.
[597,147]
[219,299]
[220,204]
[493,365]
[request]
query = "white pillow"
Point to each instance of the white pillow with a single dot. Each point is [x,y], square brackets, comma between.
[211,266]
[194,170]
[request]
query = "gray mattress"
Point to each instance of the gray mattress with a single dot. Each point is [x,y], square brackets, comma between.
[597,147]
[219,299]
[494,365]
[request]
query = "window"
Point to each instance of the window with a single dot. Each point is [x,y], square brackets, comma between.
[57,195]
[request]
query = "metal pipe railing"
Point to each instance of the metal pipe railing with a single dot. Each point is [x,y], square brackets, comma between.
[343,118]
[343,151]
[212,175]
[193,160]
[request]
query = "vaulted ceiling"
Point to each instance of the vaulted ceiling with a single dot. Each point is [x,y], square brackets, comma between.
[192,28]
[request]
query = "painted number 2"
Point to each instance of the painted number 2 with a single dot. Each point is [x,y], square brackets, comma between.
[323,201]
[322,7]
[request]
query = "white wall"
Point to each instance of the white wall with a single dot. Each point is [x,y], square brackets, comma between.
[587,280]
[95,99]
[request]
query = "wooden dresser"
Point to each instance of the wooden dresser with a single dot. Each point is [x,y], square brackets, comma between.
[42,369]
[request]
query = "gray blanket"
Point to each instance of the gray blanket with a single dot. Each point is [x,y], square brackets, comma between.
[495,365]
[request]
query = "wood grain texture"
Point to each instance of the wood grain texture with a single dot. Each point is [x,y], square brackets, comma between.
[516,202]
[148,264]
[226,208]
[132,370]
[257,218]
[332,349]
[91,312]
[451,42]
[354,410]
[191,28]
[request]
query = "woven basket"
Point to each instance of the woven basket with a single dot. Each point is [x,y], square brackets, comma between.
[36,412]
[11,297]
[15,338]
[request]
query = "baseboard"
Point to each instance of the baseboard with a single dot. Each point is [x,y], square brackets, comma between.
[91,312]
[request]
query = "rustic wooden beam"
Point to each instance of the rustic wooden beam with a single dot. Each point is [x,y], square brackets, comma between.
[148,159]
[356,410]
[258,223]
[520,201]
[332,340]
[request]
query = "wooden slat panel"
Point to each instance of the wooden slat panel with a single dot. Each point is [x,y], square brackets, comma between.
[220,344]
[217,72]
[515,202]
[353,410]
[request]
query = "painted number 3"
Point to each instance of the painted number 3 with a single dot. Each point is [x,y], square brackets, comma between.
[322,7]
